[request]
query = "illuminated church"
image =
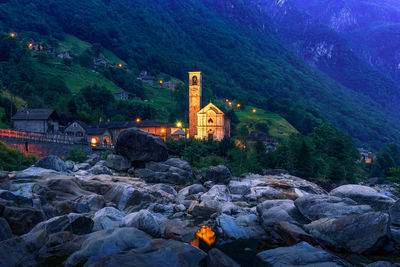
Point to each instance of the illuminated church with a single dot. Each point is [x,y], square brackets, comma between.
[206,122]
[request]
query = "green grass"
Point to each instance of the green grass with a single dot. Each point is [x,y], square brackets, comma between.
[75,76]
[279,128]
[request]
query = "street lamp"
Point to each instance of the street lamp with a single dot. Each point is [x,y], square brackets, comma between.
[254,110]
[137,120]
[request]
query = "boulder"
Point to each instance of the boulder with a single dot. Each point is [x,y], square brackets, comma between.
[81,166]
[75,223]
[15,252]
[118,162]
[315,207]
[138,145]
[190,190]
[69,164]
[239,187]
[99,169]
[34,173]
[160,252]
[92,159]
[353,233]
[218,174]
[92,202]
[102,244]
[216,258]
[302,254]
[394,212]
[274,211]
[180,164]
[174,230]
[125,196]
[5,230]
[143,220]
[159,172]
[292,234]
[381,264]
[218,193]
[107,218]
[166,188]
[51,163]
[22,220]
[364,195]
[234,229]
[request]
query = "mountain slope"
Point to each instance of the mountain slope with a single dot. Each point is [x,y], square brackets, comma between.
[240,58]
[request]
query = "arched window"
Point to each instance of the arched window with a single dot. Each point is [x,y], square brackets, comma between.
[210,120]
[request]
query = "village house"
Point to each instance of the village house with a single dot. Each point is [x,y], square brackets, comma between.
[366,156]
[36,120]
[269,142]
[146,78]
[121,95]
[81,132]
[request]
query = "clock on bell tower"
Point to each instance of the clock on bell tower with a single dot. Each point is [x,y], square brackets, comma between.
[194,100]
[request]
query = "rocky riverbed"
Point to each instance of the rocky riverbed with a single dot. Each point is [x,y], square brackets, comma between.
[139,208]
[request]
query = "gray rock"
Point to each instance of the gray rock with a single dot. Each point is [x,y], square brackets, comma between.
[75,223]
[92,202]
[353,233]
[98,170]
[166,188]
[218,174]
[274,211]
[69,164]
[159,172]
[118,162]
[107,218]
[92,159]
[51,163]
[239,187]
[5,230]
[302,254]
[394,212]
[102,244]
[125,196]
[33,173]
[159,253]
[22,220]
[364,195]
[143,220]
[180,164]
[315,207]
[81,166]
[235,229]
[138,145]
[190,190]
[292,234]
[216,258]
[15,252]
[174,230]
[380,264]
[218,193]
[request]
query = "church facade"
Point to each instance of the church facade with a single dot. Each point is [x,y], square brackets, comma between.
[206,122]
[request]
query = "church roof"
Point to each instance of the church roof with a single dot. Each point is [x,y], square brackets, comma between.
[212,107]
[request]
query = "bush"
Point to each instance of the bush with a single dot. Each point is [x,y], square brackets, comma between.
[13,159]
[76,155]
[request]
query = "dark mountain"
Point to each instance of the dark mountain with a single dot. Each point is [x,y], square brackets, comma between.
[238,45]
[371,27]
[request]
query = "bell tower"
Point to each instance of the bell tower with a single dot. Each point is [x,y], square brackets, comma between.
[194,100]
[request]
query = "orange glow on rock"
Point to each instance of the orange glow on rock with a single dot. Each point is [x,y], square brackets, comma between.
[204,233]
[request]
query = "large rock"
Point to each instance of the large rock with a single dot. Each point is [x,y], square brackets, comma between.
[99,169]
[22,220]
[89,203]
[75,223]
[102,244]
[354,233]
[34,173]
[302,254]
[51,163]
[107,218]
[118,162]
[15,252]
[216,258]
[159,253]
[274,211]
[218,193]
[5,230]
[364,195]
[138,145]
[125,196]
[238,228]
[315,207]
[218,174]
[292,234]
[142,220]
[394,212]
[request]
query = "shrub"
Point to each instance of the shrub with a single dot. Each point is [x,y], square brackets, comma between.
[13,159]
[76,155]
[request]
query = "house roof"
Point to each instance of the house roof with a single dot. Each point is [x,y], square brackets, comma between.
[179,132]
[95,131]
[212,107]
[35,114]
[130,124]
[81,123]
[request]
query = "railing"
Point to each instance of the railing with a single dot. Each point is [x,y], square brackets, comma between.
[50,138]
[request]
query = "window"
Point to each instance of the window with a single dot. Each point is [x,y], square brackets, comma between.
[210,120]
[79,134]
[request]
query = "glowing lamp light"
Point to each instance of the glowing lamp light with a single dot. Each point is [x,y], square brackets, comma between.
[238,105]
[227,100]
[41,47]
[94,141]
[30,45]
[254,110]
[230,103]
[179,124]
[162,130]
[119,65]
[12,35]
[206,234]
[161,82]
[137,120]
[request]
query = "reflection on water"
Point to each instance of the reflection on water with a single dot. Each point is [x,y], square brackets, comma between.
[205,234]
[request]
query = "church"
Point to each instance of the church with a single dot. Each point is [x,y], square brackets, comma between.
[206,122]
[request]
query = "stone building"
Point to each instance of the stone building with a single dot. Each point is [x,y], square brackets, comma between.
[207,122]
[36,120]
[81,132]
